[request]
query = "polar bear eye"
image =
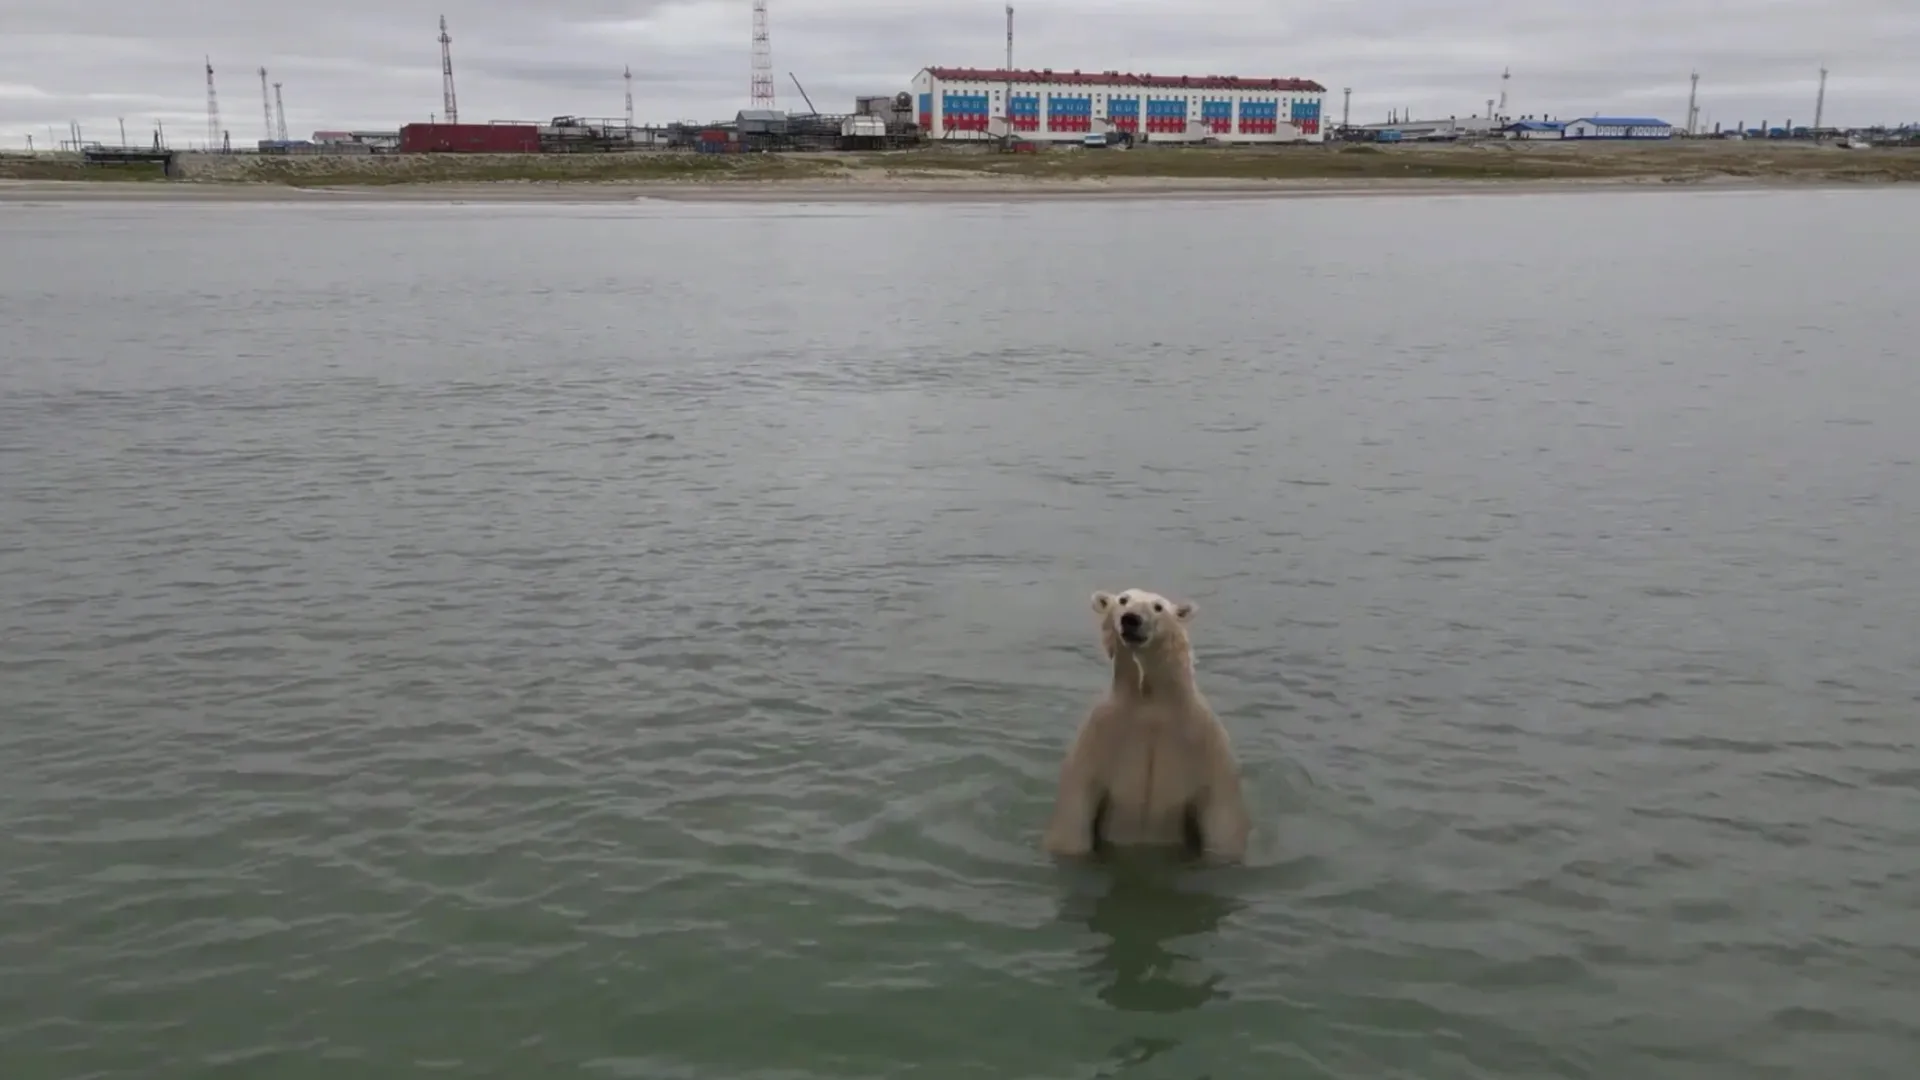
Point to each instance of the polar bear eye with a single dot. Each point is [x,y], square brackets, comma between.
[1159,607]
[1124,598]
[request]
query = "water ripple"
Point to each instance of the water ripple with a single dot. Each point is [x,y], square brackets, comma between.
[417,662]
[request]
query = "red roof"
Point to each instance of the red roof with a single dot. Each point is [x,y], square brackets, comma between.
[1125,78]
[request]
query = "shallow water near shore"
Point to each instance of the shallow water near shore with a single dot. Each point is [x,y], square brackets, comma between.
[638,641]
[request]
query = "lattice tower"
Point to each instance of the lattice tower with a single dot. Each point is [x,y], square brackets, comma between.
[449,105]
[762,58]
[266,105]
[213,110]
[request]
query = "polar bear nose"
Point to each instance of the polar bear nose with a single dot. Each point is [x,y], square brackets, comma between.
[1130,621]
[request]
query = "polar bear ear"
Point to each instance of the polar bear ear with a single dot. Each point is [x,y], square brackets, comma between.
[1102,601]
[1185,612]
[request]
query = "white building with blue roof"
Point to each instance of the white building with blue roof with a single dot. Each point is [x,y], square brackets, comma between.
[1617,127]
[1535,129]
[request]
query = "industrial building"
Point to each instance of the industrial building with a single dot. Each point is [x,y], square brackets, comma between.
[357,142]
[751,130]
[1534,129]
[1617,127]
[1066,106]
[1450,129]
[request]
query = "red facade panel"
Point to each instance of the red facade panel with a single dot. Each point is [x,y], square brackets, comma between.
[470,139]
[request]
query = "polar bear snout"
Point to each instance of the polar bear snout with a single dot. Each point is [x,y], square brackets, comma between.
[1133,628]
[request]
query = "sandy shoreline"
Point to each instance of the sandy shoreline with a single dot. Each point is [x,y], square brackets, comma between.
[893,189]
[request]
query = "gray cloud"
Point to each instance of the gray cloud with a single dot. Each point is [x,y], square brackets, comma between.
[362,63]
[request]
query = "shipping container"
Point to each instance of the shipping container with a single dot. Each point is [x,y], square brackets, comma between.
[470,139]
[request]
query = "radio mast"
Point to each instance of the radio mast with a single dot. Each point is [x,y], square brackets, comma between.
[448,106]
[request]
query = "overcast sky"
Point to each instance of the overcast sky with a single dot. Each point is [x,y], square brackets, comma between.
[376,63]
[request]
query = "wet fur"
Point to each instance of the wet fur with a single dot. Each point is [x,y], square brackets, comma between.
[1151,764]
[1193,843]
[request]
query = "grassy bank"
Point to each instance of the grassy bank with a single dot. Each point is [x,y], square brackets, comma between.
[547,168]
[321,170]
[69,167]
[1674,162]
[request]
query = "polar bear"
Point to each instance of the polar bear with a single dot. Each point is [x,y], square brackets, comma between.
[1151,764]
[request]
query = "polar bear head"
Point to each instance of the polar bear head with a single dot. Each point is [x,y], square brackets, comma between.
[1142,622]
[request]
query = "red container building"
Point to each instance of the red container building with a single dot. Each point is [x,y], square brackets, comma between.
[470,139]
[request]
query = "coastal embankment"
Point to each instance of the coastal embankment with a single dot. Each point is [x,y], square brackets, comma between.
[961,173]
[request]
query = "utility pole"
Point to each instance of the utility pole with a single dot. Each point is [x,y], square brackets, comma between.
[1346,106]
[1693,106]
[1820,104]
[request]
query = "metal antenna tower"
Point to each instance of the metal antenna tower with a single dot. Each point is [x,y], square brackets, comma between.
[1820,103]
[1007,108]
[1346,106]
[628,75]
[762,58]
[213,110]
[279,115]
[266,104]
[1009,37]
[447,103]
[1693,106]
[1505,74]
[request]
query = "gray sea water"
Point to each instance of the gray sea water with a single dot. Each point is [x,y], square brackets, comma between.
[638,641]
